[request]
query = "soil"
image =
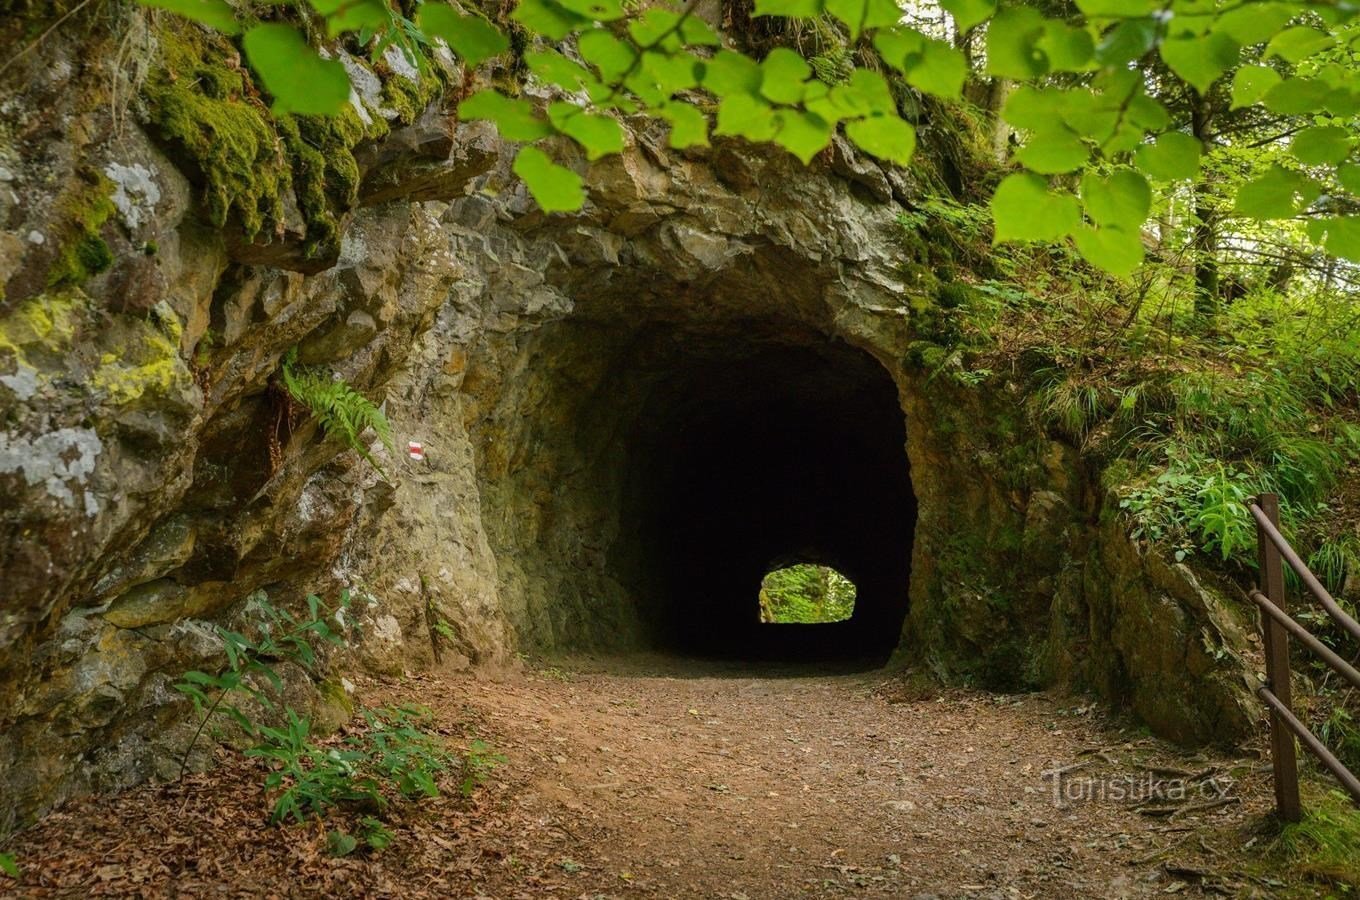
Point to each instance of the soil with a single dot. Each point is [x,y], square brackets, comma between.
[653,777]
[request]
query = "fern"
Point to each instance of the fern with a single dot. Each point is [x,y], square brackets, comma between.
[339,408]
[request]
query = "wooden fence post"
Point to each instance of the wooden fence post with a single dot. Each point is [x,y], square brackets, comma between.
[1282,751]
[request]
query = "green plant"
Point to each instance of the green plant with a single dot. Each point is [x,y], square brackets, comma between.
[310,779]
[479,761]
[341,410]
[374,833]
[1222,520]
[1325,846]
[393,755]
[251,662]
[9,865]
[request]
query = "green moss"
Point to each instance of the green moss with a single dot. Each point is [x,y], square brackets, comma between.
[325,173]
[82,212]
[45,323]
[206,109]
[408,97]
[205,106]
[147,362]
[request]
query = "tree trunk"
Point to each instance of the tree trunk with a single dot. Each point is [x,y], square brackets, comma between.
[1204,240]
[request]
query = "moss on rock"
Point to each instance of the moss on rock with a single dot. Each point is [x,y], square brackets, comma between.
[148,362]
[82,211]
[250,162]
[201,102]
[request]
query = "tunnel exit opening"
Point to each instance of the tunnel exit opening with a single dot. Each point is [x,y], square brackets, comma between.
[805,594]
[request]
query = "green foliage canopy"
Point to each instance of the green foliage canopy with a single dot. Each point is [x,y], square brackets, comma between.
[1084,103]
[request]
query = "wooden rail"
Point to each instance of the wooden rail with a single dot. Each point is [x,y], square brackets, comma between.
[1273,551]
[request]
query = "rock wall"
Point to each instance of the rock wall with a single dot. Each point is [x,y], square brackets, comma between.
[153,478]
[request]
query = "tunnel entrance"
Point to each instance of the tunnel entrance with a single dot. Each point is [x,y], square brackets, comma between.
[646,477]
[751,458]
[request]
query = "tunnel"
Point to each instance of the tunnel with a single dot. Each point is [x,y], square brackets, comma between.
[674,467]
[750,463]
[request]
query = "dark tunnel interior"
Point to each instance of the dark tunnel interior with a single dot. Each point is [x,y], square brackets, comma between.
[744,463]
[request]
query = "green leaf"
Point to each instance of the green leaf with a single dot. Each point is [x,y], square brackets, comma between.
[1126,42]
[1025,210]
[1122,200]
[599,10]
[1147,114]
[695,32]
[746,116]
[599,135]
[782,75]
[555,188]
[865,93]
[672,72]
[552,67]
[1252,23]
[548,18]
[689,126]
[515,119]
[1297,96]
[1321,145]
[1112,249]
[939,69]
[1251,83]
[1035,109]
[895,45]
[969,14]
[611,56]
[805,9]
[1200,60]
[803,134]
[1012,44]
[1342,103]
[859,15]
[1103,9]
[471,37]
[886,137]
[730,72]
[1349,176]
[1053,152]
[1174,156]
[1298,43]
[300,80]
[657,27]
[213,13]
[1068,48]
[1278,194]
[338,843]
[8,865]
[353,15]
[1340,235]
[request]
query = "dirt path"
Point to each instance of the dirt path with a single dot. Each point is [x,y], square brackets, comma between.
[654,779]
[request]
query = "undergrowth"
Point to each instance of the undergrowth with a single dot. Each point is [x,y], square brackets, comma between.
[393,756]
[1325,846]
[1187,416]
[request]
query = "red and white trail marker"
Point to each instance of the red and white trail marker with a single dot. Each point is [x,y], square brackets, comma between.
[415,450]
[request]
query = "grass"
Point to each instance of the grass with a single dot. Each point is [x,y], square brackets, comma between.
[1325,846]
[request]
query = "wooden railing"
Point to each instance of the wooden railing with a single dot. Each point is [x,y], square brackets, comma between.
[1273,551]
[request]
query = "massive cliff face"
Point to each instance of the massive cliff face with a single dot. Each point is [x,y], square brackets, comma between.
[628,415]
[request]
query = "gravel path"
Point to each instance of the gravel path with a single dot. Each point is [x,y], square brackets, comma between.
[659,778]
